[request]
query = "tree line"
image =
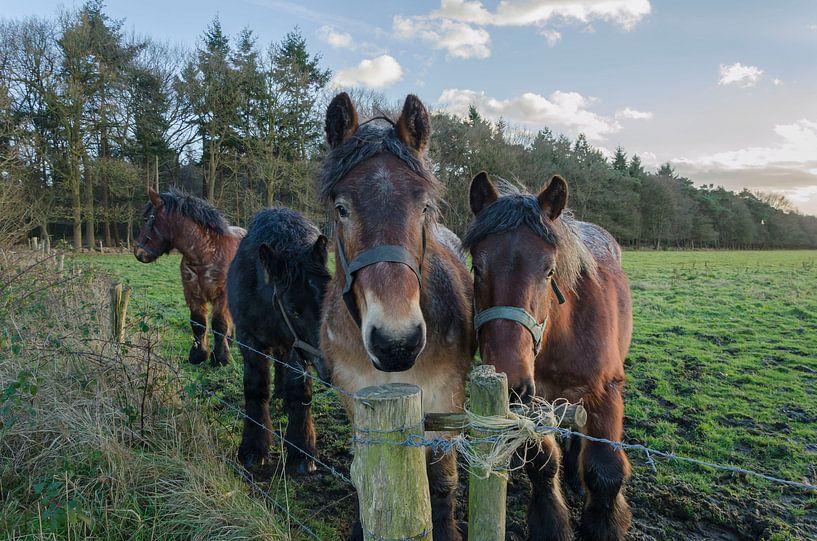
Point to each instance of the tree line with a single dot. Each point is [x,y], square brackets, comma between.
[91,117]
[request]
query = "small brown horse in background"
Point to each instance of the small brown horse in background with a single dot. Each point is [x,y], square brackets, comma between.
[522,246]
[208,244]
[399,306]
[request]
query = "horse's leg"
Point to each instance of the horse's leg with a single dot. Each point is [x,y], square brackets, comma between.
[199,351]
[280,381]
[257,435]
[300,435]
[572,450]
[548,517]
[604,469]
[222,326]
[442,483]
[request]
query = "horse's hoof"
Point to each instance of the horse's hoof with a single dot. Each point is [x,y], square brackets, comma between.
[197,356]
[301,466]
[219,360]
[251,459]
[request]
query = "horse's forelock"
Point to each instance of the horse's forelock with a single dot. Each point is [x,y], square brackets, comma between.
[367,142]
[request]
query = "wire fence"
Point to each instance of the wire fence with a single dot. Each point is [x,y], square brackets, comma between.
[438,443]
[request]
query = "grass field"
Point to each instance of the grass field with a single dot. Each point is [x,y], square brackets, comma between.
[723,368]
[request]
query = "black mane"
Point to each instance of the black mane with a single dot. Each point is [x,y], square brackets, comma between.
[507,213]
[368,141]
[200,211]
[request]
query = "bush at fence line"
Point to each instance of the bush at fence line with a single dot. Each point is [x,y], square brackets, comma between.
[94,441]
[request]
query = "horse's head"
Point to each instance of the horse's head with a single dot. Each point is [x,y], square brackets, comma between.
[383,195]
[297,279]
[514,253]
[155,238]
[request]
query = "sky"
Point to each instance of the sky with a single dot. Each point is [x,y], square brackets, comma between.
[725,91]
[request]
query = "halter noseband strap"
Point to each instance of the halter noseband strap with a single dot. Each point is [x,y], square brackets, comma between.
[519,315]
[388,253]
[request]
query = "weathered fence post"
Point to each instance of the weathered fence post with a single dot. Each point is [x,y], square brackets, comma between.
[391,480]
[487,493]
[35,243]
[120,295]
[61,263]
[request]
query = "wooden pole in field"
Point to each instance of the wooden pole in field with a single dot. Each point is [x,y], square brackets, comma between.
[391,480]
[35,242]
[487,494]
[120,295]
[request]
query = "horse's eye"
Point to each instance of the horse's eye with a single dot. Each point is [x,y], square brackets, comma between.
[550,272]
[425,209]
[343,212]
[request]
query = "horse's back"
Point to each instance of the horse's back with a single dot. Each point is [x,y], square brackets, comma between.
[600,243]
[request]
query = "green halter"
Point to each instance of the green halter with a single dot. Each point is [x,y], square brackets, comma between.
[519,315]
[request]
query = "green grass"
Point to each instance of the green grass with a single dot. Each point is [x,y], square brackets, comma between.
[723,368]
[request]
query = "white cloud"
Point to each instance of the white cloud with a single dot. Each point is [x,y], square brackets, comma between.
[459,25]
[738,74]
[338,40]
[459,39]
[796,149]
[625,13]
[377,72]
[632,114]
[812,27]
[552,36]
[777,82]
[564,109]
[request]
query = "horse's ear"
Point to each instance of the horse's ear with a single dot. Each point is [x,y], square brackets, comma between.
[414,126]
[274,265]
[155,198]
[341,120]
[553,199]
[482,192]
[319,250]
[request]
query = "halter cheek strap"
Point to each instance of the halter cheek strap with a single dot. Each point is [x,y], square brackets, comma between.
[388,253]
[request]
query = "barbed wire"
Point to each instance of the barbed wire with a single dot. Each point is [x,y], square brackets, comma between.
[459,443]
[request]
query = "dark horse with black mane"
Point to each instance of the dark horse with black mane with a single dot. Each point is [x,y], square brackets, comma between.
[399,306]
[276,285]
[207,243]
[525,254]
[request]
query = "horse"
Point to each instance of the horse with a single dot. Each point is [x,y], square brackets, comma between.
[275,287]
[526,252]
[207,243]
[398,308]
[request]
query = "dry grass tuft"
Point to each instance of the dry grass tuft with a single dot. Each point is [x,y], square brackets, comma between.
[99,440]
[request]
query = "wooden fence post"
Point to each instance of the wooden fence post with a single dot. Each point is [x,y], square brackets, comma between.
[120,295]
[391,480]
[35,242]
[487,495]
[61,263]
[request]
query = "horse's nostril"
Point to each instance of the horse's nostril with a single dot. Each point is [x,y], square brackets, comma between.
[524,391]
[414,341]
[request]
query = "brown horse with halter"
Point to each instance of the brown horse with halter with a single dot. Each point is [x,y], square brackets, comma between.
[399,306]
[552,344]
[207,243]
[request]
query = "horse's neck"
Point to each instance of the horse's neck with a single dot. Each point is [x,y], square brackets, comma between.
[194,243]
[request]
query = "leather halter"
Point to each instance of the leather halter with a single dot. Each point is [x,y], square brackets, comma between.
[299,345]
[151,221]
[387,253]
[518,315]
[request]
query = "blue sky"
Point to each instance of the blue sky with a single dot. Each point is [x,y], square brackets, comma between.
[726,91]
